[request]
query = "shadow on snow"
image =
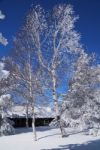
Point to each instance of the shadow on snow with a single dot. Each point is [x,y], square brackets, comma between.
[27,130]
[92,145]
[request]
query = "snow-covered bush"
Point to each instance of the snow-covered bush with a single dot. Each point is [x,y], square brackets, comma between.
[54,123]
[5,103]
[6,127]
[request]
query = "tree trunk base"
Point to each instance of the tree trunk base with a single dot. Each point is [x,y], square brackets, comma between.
[64,136]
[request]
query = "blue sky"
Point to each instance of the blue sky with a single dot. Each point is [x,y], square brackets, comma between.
[88,24]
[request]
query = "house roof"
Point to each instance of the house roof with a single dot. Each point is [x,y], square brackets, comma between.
[40,112]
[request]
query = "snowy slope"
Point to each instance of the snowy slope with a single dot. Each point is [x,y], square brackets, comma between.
[48,139]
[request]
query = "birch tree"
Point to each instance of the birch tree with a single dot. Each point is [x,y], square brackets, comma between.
[26,73]
[53,38]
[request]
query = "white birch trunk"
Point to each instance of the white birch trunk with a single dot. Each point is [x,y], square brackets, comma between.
[56,105]
[32,101]
[33,126]
[27,125]
[2,113]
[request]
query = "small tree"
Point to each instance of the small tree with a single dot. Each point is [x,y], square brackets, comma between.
[5,126]
[5,103]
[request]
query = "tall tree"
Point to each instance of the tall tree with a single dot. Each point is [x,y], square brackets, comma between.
[82,102]
[26,73]
[54,38]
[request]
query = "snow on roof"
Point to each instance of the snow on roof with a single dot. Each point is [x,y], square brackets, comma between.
[40,112]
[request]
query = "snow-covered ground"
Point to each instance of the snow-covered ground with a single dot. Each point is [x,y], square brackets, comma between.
[48,139]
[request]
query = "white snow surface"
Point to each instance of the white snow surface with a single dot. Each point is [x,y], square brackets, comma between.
[48,139]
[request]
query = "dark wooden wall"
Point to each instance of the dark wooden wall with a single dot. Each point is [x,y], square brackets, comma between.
[21,122]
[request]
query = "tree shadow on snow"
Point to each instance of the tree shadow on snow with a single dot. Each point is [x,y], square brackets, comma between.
[26,130]
[47,128]
[22,130]
[50,135]
[92,145]
[44,128]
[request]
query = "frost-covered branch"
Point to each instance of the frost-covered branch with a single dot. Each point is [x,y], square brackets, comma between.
[3,40]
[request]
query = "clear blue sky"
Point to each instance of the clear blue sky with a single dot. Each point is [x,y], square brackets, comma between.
[88,24]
